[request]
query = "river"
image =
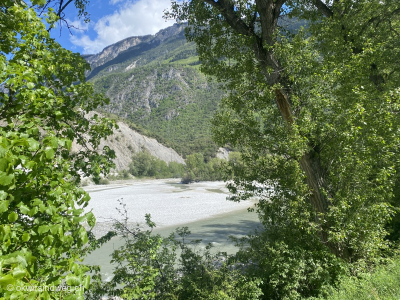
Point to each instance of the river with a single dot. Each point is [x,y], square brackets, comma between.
[200,206]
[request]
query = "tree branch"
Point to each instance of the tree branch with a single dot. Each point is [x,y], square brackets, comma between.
[227,9]
[63,7]
[323,8]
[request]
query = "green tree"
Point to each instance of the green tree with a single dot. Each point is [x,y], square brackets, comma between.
[176,169]
[314,112]
[195,166]
[44,102]
[142,164]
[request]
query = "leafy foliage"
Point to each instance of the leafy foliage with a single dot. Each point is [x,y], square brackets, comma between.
[151,267]
[196,167]
[382,283]
[199,169]
[314,113]
[43,102]
[145,165]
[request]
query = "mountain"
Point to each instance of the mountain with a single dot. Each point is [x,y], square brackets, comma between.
[154,81]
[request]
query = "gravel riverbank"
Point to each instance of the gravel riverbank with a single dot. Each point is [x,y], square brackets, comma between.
[169,202]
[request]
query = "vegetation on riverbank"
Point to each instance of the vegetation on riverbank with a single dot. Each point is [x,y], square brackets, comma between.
[381,283]
[196,168]
[176,267]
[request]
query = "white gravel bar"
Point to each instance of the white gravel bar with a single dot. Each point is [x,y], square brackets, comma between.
[169,202]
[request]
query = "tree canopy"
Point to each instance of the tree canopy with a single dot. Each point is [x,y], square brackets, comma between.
[44,108]
[312,102]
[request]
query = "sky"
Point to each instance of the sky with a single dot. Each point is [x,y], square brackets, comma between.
[112,21]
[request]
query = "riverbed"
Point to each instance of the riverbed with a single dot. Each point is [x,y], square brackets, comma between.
[200,206]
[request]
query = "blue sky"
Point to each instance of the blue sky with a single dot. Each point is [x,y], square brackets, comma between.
[112,21]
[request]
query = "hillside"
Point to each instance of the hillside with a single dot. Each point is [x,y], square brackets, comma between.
[154,81]
[125,142]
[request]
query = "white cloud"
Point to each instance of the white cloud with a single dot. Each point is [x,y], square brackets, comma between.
[115,1]
[131,19]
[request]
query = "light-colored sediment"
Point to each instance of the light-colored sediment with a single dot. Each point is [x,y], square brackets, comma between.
[169,202]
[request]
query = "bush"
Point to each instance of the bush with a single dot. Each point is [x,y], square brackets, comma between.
[104,181]
[149,266]
[85,182]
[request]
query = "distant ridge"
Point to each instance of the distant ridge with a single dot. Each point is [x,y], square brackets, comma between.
[134,45]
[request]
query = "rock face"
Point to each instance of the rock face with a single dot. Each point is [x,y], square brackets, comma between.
[113,50]
[223,153]
[131,46]
[126,141]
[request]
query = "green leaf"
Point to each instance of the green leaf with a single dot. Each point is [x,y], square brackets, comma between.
[74,297]
[33,211]
[6,280]
[51,210]
[39,2]
[12,217]
[26,237]
[30,85]
[79,219]
[6,179]
[45,295]
[86,282]
[43,229]
[49,153]
[18,273]
[4,164]
[91,219]
[54,228]
[3,205]
[31,296]
[72,280]
[83,236]
[33,144]
[48,240]
[17,295]
[68,144]
[24,209]
[3,195]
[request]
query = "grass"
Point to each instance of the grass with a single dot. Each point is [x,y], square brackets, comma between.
[382,284]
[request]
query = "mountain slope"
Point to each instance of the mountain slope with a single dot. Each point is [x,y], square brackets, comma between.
[125,142]
[155,82]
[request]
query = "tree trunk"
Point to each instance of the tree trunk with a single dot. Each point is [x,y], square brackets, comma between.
[315,180]
[269,12]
